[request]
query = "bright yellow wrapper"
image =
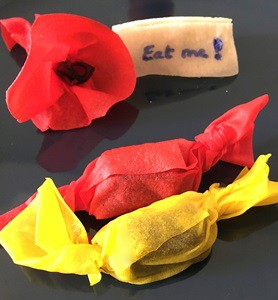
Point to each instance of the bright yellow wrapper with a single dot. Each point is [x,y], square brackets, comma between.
[146,245]
[48,236]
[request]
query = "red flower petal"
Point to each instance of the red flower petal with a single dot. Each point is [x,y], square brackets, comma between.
[60,116]
[16,31]
[34,90]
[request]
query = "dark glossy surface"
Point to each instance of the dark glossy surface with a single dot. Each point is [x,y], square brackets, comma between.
[243,263]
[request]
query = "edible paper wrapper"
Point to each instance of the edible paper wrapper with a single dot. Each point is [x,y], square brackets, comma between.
[149,244]
[124,179]
[181,46]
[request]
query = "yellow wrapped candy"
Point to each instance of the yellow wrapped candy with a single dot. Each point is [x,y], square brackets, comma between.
[165,238]
[143,246]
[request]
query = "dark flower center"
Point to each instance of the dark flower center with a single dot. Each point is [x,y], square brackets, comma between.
[74,73]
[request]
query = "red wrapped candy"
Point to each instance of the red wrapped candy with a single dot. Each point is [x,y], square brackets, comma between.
[76,69]
[124,179]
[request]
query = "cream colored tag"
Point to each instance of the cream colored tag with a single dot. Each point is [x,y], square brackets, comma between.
[181,46]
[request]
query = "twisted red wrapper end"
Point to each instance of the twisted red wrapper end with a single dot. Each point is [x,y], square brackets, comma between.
[232,134]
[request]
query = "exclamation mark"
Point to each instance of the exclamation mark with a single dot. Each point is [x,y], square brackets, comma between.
[218,46]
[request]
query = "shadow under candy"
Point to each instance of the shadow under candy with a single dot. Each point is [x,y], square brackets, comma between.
[57,281]
[158,89]
[62,150]
[108,282]
[81,283]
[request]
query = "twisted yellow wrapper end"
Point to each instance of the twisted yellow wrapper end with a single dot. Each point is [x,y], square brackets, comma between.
[146,245]
[48,236]
[251,188]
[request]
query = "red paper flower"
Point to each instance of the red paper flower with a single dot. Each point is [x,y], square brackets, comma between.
[76,69]
[124,179]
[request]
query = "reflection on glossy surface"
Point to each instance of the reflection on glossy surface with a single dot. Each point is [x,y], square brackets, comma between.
[63,150]
[157,90]
[57,280]
[253,220]
[145,9]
